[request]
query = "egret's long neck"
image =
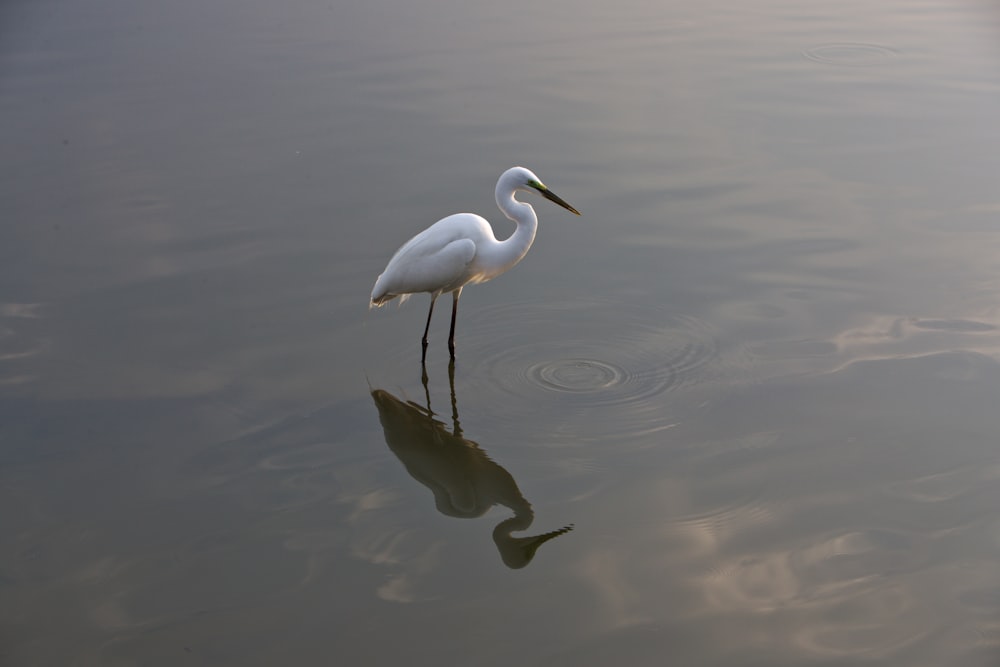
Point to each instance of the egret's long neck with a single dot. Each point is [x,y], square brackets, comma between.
[509,252]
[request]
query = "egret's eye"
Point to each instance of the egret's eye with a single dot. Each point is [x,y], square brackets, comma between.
[537,185]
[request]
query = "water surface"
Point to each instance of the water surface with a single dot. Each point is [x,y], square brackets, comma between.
[742,412]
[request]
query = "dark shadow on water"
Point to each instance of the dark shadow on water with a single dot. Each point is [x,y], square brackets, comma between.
[465,481]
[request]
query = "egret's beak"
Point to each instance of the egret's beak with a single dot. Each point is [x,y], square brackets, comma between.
[553,197]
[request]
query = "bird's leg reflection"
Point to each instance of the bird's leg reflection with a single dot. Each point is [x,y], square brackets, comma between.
[465,482]
[427,391]
[427,328]
[456,427]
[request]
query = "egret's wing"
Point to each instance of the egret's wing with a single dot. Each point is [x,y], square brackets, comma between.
[435,260]
[439,270]
[425,266]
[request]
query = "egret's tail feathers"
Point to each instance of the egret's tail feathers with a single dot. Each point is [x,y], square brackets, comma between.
[382,299]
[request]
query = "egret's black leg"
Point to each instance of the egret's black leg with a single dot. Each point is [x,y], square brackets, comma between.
[454,314]
[430,311]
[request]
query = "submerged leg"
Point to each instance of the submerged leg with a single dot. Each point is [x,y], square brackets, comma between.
[454,312]
[430,311]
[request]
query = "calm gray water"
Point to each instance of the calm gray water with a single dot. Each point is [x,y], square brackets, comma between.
[744,411]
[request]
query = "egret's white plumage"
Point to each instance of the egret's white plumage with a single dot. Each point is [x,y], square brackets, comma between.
[461,250]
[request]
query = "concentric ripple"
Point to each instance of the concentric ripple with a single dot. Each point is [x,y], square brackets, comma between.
[580,375]
[850,54]
[596,368]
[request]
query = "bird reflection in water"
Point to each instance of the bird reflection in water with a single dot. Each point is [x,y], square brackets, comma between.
[465,481]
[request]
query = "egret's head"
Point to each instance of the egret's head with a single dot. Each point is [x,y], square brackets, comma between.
[525,180]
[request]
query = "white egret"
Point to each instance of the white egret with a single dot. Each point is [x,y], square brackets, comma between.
[461,250]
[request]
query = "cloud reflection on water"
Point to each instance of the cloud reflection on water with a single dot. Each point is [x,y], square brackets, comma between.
[800,536]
